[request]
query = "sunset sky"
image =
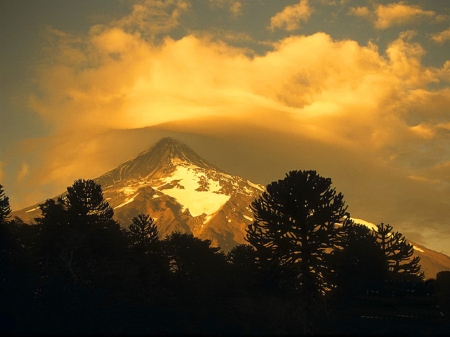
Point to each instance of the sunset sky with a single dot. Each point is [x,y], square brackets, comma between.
[357,90]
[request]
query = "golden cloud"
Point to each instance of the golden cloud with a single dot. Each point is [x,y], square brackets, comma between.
[360,11]
[2,172]
[234,6]
[154,16]
[441,37]
[399,14]
[333,2]
[291,16]
[395,14]
[23,172]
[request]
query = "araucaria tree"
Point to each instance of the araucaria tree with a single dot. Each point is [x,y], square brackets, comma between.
[143,233]
[398,254]
[78,230]
[298,221]
[84,204]
[5,210]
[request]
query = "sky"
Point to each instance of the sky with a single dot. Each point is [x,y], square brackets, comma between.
[356,90]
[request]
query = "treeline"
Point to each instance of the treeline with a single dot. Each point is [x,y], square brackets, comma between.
[307,268]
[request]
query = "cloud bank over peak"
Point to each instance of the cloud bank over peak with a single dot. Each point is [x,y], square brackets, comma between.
[118,79]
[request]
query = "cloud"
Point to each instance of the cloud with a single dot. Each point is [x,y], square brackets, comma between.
[2,172]
[291,16]
[441,37]
[134,83]
[333,2]
[360,11]
[154,16]
[399,14]
[234,6]
[395,14]
[23,172]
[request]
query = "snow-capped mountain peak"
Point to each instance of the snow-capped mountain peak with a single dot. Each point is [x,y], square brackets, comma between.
[183,191]
[158,161]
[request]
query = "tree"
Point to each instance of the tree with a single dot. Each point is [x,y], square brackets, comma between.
[188,256]
[359,264]
[297,224]
[242,256]
[84,204]
[298,221]
[146,253]
[143,233]
[397,253]
[195,264]
[78,230]
[5,209]
[7,237]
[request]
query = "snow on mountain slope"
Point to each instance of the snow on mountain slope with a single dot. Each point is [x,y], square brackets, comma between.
[195,191]
[196,196]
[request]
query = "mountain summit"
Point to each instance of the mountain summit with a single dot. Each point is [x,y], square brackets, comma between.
[182,192]
[159,160]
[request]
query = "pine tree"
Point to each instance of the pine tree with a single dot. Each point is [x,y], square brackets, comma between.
[84,204]
[5,209]
[143,233]
[7,236]
[298,221]
[78,231]
[398,253]
[296,226]
[359,264]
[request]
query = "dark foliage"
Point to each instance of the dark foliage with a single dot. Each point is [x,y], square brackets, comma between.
[397,254]
[76,272]
[296,224]
[359,264]
[77,234]
[5,209]
[298,221]
[143,234]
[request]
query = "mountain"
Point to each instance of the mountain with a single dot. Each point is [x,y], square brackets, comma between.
[181,191]
[184,192]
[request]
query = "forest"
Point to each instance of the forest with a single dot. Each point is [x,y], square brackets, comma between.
[306,269]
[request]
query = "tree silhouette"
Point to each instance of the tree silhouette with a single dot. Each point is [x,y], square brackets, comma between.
[84,204]
[8,232]
[78,231]
[295,227]
[242,256]
[146,253]
[6,235]
[194,264]
[143,233]
[5,209]
[397,253]
[359,264]
[188,255]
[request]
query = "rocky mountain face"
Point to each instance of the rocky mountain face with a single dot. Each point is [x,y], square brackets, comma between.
[183,192]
